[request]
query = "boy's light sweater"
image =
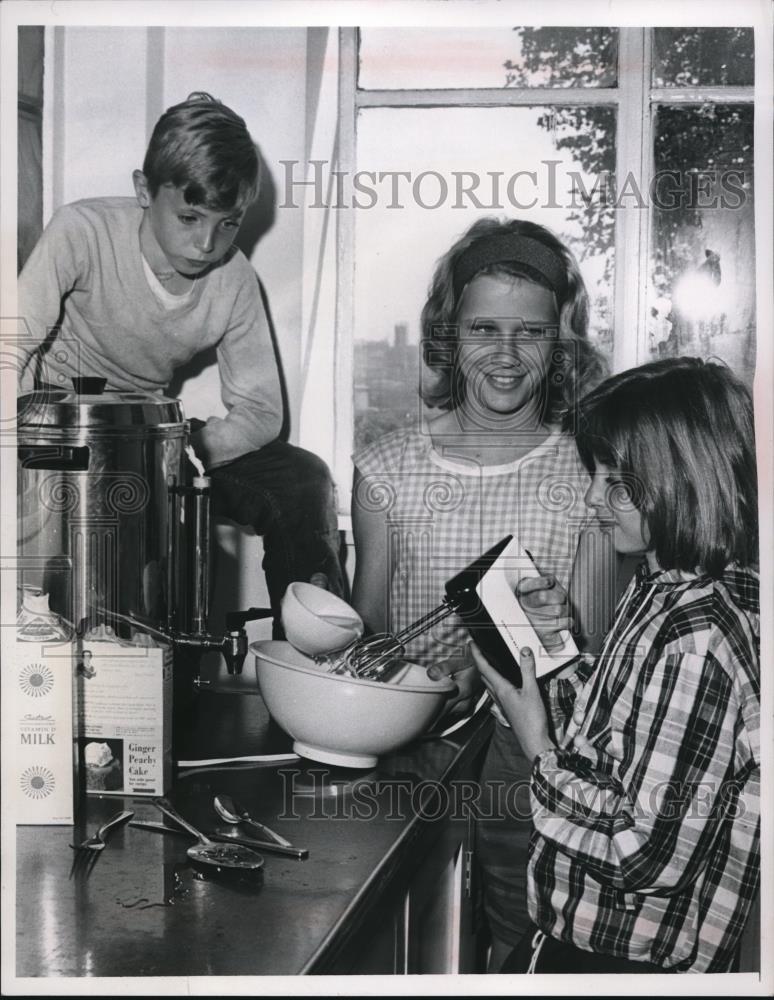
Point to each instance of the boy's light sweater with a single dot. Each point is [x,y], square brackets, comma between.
[86,274]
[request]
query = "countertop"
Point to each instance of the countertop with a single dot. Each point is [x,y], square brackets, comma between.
[144,910]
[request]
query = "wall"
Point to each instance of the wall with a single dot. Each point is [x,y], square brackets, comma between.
[29,124]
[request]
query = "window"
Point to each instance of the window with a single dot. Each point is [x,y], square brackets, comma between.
[701,288]
[703,57]
[454,58]
[701,294]
[634,145]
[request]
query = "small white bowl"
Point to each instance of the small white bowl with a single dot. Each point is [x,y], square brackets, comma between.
[316,621]
[343,720]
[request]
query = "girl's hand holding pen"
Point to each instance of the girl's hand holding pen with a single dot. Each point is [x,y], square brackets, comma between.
[522,707]
[547,606]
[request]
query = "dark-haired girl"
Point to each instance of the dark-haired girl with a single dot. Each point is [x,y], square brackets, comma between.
[645,796]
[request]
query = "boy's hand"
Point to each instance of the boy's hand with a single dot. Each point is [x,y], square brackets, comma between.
[194,440]
[522,707]
[547,606]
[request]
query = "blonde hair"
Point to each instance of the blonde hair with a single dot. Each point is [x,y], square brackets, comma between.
[575,362]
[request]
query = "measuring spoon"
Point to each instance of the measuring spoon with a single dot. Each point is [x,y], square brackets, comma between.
[209,854]
[232,812]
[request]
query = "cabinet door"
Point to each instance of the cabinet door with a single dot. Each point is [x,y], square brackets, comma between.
[380,950]
[441,932]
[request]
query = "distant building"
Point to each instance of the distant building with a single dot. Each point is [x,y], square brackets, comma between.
[386,387]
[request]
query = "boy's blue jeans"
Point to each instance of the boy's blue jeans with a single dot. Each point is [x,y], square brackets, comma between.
[287,495]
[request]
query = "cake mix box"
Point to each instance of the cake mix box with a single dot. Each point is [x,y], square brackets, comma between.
[40,746]
[124,696]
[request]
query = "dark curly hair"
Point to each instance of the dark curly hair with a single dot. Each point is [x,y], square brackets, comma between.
[203,147]
[580,365]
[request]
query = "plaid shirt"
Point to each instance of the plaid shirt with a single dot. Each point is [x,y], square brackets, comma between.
[441,513]
[650,850]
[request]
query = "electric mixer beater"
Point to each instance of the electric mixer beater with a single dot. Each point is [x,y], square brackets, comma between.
[378,657]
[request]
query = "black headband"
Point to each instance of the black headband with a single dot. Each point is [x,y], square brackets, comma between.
[503,248]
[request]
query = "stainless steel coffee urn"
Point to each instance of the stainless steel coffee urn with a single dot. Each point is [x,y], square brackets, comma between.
[95,474]
[110,528]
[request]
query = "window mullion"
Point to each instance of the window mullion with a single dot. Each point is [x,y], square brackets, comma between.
[489,97]
[702,95]
[343,401]
[633,175]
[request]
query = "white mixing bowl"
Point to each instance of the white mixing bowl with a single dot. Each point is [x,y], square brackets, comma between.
[343,720]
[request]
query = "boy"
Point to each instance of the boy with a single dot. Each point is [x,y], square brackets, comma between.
[130,290]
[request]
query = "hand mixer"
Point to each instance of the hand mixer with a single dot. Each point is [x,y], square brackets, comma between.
[378,657]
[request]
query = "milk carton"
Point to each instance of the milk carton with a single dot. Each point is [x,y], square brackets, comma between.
[40,746]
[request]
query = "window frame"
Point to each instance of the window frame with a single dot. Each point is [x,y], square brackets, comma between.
[635,101]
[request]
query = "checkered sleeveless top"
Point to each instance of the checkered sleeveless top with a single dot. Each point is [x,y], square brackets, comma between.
[442,512]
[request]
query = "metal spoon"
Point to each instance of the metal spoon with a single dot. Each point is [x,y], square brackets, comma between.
[232,812]
[260,845]
[208,853]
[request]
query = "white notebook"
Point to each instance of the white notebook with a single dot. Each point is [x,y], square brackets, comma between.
[497,591]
